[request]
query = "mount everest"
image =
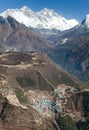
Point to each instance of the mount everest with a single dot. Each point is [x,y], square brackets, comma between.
[46,18]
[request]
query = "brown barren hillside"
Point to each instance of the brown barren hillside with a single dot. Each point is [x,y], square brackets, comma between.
[34,92]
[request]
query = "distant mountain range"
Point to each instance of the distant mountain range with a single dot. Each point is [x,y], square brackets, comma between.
[45,19]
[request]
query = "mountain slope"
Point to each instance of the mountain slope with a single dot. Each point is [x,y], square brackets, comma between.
[16,37]
[46,18]
[72,48]
[34,92]
[80,58]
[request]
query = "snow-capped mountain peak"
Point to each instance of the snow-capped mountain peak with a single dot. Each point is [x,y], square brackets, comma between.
[87,20]
[46,18]
[49,12]
[25,8]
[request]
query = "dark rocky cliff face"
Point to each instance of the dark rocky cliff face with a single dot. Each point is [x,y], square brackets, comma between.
[76,115]
[75,102]
[74,56]
[78,103]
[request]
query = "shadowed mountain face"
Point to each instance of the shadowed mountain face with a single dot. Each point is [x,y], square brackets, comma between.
[79,57]
[17,37]
[74,57]
[71,50]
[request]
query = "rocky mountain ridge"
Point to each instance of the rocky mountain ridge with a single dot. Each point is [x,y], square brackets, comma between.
[17,37]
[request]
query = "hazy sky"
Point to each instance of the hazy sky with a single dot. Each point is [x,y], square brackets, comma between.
[68,8]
